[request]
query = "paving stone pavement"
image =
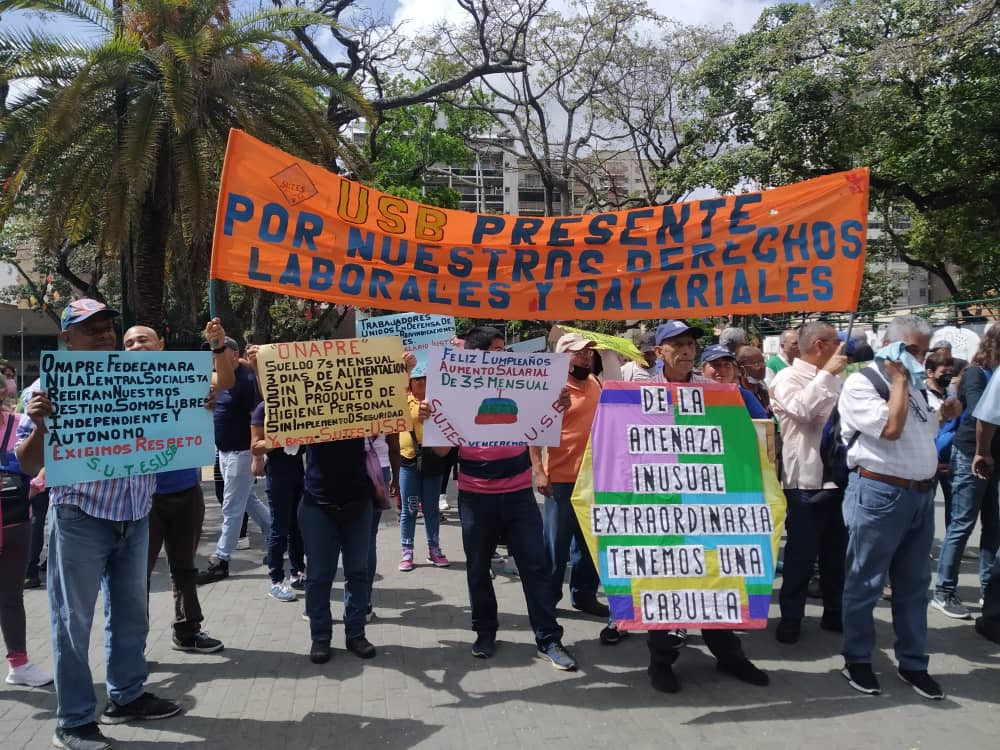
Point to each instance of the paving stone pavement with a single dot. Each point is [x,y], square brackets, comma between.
[425,690]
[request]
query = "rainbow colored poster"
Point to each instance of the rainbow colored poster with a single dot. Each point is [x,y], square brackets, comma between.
[681,507]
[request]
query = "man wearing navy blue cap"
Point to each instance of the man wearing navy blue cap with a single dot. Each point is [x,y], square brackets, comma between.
[99,539]
[677,344]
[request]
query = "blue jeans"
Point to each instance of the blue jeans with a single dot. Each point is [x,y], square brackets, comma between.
[238,498]
[970,498]
[325,539]
[564,540]
[814,530]
[513,516]
[88,554]
[416,488]
[284,491]
[890,530]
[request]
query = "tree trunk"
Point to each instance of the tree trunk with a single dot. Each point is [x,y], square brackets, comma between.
[150,252]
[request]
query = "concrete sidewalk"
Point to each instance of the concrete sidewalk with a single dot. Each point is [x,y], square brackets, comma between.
[424,689]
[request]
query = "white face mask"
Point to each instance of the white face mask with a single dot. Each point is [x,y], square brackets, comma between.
[753,381]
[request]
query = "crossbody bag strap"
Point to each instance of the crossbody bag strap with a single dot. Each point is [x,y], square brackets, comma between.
[6,437]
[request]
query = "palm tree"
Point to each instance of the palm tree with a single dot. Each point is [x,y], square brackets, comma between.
[124,131]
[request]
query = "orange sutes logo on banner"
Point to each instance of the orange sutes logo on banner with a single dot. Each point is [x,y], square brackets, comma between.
[295,228]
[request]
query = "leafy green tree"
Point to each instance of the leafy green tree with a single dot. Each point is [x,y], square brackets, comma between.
[124,136]
[907,87]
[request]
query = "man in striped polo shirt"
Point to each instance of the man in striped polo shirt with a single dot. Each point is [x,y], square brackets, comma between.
[99,539]
[496,500]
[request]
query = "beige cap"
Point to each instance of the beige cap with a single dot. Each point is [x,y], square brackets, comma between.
[573,342]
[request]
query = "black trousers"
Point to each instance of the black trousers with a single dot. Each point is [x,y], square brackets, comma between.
[175,523]
[664,646]
[814,530]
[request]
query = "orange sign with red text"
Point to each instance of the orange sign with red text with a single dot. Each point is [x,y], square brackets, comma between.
[292,227]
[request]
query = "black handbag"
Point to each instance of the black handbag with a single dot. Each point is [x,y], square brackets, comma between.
[13,494]
[427,461]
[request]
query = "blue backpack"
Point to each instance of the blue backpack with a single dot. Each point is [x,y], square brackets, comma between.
[832,448]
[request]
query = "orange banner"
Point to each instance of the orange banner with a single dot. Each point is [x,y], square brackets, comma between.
[294,228]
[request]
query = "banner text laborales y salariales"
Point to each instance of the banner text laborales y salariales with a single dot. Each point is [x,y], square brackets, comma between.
[294,228]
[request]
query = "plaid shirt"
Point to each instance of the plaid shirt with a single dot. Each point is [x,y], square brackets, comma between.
[128,499]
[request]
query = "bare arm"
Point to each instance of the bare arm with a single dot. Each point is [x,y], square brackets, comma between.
[540,477]
[393,442]
[31,451]
[982,463]
[223,377]
[258,443]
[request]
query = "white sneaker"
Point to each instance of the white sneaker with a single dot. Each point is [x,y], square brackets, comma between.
[243,542]
[443,503]
[282,592]
[28,674]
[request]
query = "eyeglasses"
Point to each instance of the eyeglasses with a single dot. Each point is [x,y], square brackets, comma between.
[916,409]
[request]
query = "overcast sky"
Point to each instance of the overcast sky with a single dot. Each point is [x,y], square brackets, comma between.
[740,13]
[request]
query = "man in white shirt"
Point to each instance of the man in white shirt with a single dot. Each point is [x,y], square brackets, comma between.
[889,506]
[633,371]
[802,397]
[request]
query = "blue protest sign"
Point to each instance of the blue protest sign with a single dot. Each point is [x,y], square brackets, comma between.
[119,414]
[418,331]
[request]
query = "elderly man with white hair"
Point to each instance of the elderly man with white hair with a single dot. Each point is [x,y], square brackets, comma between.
[889,429]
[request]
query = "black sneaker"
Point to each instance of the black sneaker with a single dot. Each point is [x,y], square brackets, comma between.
[201,643]
[360,646]
[558,656]
[593,607]
[950,605]
[861,677]
[485,645]
[788,631]
[744,671]
[320,652]
[662,678]
[144,708]
[922,683]
[32,582]
[83,737]
[216,571]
